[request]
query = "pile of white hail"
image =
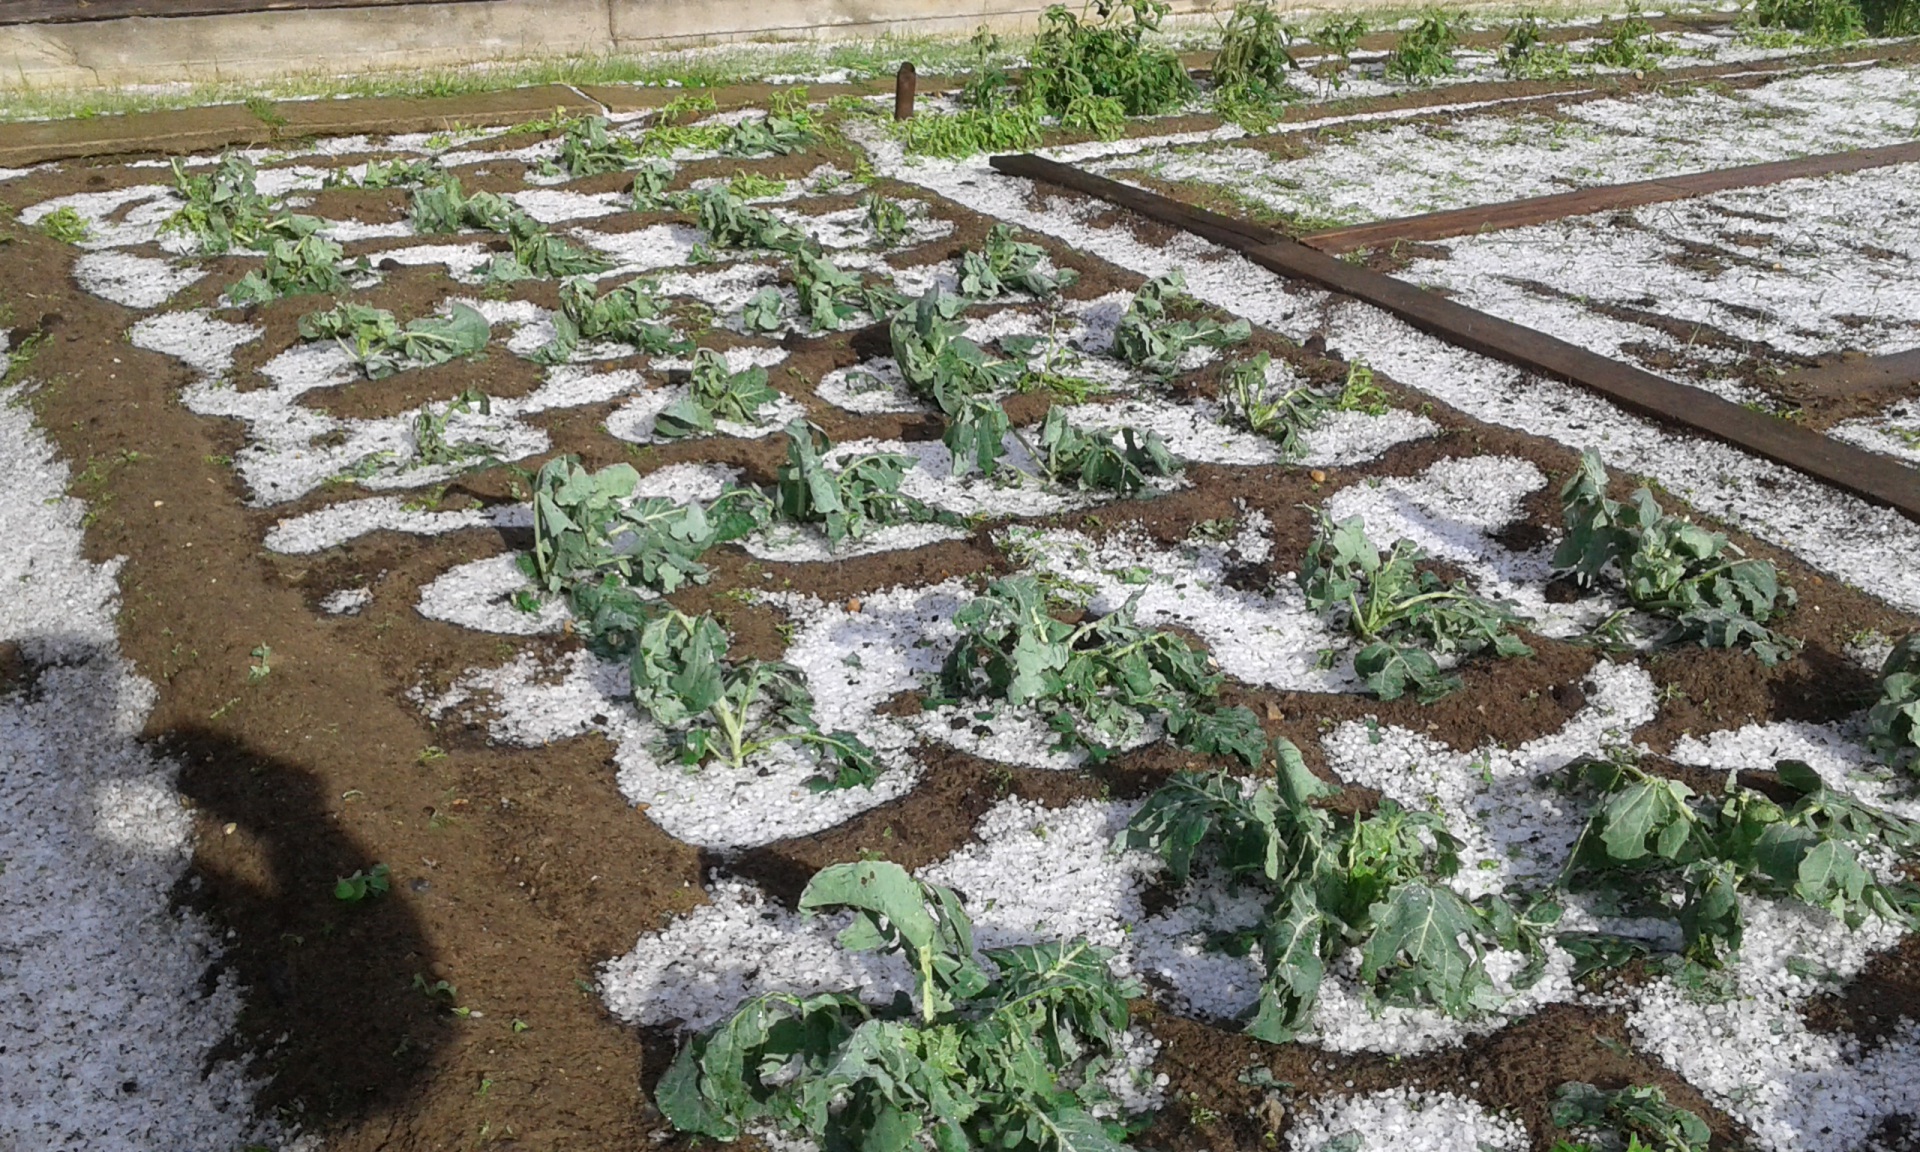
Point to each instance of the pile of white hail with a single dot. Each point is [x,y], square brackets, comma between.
[98,836]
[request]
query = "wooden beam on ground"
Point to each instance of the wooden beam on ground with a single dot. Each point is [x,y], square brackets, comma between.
[1604,198]
[1878,479]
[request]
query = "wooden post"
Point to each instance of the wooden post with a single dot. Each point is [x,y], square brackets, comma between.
[903,86]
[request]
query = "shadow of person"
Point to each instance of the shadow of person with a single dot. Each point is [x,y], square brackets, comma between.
[341,1015]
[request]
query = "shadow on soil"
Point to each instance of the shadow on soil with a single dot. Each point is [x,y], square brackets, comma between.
[334,1016]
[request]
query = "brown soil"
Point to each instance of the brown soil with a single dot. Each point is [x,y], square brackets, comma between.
[518,870]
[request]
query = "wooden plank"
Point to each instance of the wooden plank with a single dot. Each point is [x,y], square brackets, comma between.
[77,11]
[1604,198]
[1856,375]
[1874,478]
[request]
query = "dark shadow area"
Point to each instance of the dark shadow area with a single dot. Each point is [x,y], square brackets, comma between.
[332,1015]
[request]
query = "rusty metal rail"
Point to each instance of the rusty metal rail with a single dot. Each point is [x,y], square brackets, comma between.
[1871,477]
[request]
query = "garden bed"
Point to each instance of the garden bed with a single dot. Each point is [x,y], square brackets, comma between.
[345,638]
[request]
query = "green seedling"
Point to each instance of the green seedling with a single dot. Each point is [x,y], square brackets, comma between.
[362,885]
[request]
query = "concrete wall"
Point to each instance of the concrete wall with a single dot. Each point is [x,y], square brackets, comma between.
[339,40]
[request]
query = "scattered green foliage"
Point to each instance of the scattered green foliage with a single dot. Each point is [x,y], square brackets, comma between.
[1250,69]
[441,206]
[1001,127]
[787,127]
[1095,683]
[1637,1114]
[590,147]
[731,223]
[888,219]
[65,225]
[1425,51]
[1005,265]
[602,548]
[1095,459]
[300,267]
[430,443]
[1822,21]
[382,347]
[941,364]
[753,186]
[1075,60]
[388,174]
[1405,615]
[1340,37]
[1007,1055]
[830,297]
[1150,337]
[1658,849]
[1630,45]
[1337,883]
[362,885]
[1263,408]
[1527,54]
[729,711]
[715,393]
[851,501]
[651,175]
[629,314]
[1671,568]
[1893,723]
[225,210]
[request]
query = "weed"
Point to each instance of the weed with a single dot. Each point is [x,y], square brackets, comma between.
[262,665]
[263,110]
[65,225]
[362,885]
